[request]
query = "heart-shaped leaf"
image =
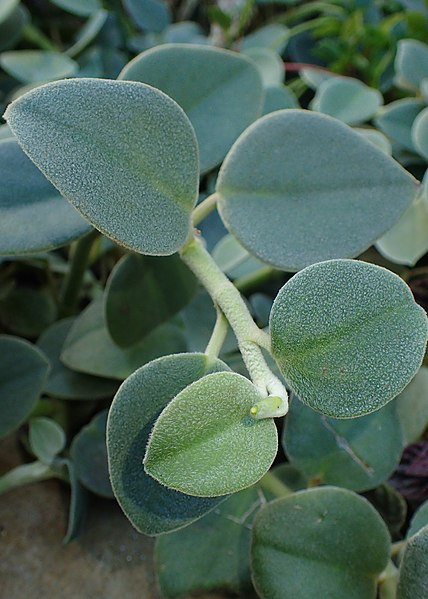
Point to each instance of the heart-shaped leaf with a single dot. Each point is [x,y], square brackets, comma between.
[152,508]
[23,371]
[222,93]
[319,543]
[33,215]
[348,336]
[299,187]
[123,153]
[205,442]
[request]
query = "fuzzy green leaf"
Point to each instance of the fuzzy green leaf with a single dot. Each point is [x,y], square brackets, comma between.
[88,347]
[34,217]
[411,64]
[63,382]
[143,292]
[205,442]
[222,93]
[150,15]
[347,336]
[89,455]
[212,553]
[282,190]
[34,66]
[47,439]
[319,543]
[23,371]
[347,99]
[358,454]
[413,574]
[152,508]
[123,153]
[396,120]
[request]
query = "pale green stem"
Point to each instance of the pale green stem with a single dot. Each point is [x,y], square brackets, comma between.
[269,482]
[249,336]
[218,335]
[203,209]
[397,547]
[388,582]
[24,475]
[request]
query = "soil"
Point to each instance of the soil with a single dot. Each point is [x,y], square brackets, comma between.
[110,560]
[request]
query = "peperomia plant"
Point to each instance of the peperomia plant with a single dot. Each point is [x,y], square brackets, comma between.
[301,192]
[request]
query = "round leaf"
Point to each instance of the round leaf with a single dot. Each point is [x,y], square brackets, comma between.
[348,336]
[347,99]
[143,292]
[23,371]
[33,215]
[358,454]
[89,454]
[47,439]
[122,152]
[220,91]
[396,120]
[205,442]
[411,64]
[151,15]
[319,543]
[298,187]
[151,507]
[269,65]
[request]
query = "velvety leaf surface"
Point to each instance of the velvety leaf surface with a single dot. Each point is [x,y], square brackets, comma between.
[211,554]
[89,455]
[47,439]
[378,139]
[63,382]
[358,454]
[205,442]
[412,406]
[33,215]
[347,99]
[152,508]
[411,63]
[23,371]
[317,543]
[88,347]
[396,120]
[281,190]
[419,520]
[420,133]
[143,292]
[413,574]
[123,153]
[222,93]
[347,336]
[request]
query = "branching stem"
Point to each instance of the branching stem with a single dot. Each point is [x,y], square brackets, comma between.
[250,338]
[218,335]
[203,209]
